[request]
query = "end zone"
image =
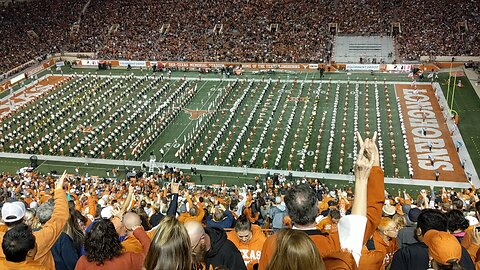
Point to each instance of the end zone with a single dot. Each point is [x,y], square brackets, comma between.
[432,151]
[30,93]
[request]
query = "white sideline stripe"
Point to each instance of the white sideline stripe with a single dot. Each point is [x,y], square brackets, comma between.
[212,168]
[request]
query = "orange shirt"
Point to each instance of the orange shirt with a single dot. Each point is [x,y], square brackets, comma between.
[251,250]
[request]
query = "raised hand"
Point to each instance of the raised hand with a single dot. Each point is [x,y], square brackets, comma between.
[60,181]
[365,160]
[174,187]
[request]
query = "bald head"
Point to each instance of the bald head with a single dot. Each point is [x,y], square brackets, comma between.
[195,231]
[131,220]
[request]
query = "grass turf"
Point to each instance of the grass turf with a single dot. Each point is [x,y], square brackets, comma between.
[466,104]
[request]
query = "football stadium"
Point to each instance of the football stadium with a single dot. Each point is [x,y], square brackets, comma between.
[222,113]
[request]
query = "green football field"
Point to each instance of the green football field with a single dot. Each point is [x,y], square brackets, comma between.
[150,120]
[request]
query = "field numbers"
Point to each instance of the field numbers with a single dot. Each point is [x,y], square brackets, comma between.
[171,145]
[308,153]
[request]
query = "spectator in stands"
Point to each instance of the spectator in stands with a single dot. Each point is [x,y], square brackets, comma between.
[131,242]
[210,247]
[13,213]
[195,213]
[220,217]
[249,239]
[329,224]
[20,249]
[457,224]
[406,235]
[385,239]
[104,251]
[170,247]
[444,250]
[277,213]
[415,256]
[295,250]
[301,202]
[64,251]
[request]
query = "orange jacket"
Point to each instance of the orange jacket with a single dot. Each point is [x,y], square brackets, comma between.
[327,244]
[381,257]
[25,265]
[46,237]
[185,217]
[132,244]
[339,260]
[326,225]
[252,250]
[473,250]
[371,259]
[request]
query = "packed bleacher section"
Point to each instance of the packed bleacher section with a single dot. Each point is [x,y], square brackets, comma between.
[49,23]
[163,221]
[184,30]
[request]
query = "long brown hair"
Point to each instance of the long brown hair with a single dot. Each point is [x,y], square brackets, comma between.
[295,250]
[170,248]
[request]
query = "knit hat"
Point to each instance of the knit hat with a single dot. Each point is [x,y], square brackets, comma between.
[413,214]
[406,208]
[13,211]
[442,246]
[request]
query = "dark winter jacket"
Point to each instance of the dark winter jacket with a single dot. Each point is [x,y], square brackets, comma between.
[222,251]
[227,222]
[64,253]
[415,257]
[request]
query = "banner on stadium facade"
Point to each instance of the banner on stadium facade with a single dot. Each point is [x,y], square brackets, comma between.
[167,64]
[399,68]
[89,62]
[17,78]
[34,70]
[364,67]
[133,63]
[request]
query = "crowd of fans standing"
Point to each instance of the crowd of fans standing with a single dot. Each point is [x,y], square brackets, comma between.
[164,222]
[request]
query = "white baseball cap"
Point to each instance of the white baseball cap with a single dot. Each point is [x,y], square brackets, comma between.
[107,212]
[13,211]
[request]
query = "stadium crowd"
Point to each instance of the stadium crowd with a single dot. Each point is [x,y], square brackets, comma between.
[164,221]
[244,31]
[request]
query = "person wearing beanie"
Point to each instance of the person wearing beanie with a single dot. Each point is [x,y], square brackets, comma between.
[406,235]
[444,250]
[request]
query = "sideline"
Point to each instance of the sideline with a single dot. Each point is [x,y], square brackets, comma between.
[213,168]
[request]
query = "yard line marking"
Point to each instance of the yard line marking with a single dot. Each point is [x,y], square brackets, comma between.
[191,121]
[475,145]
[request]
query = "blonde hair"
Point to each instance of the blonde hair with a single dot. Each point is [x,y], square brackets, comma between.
[399,220]
[170,248]
[295,250]
[385,224]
